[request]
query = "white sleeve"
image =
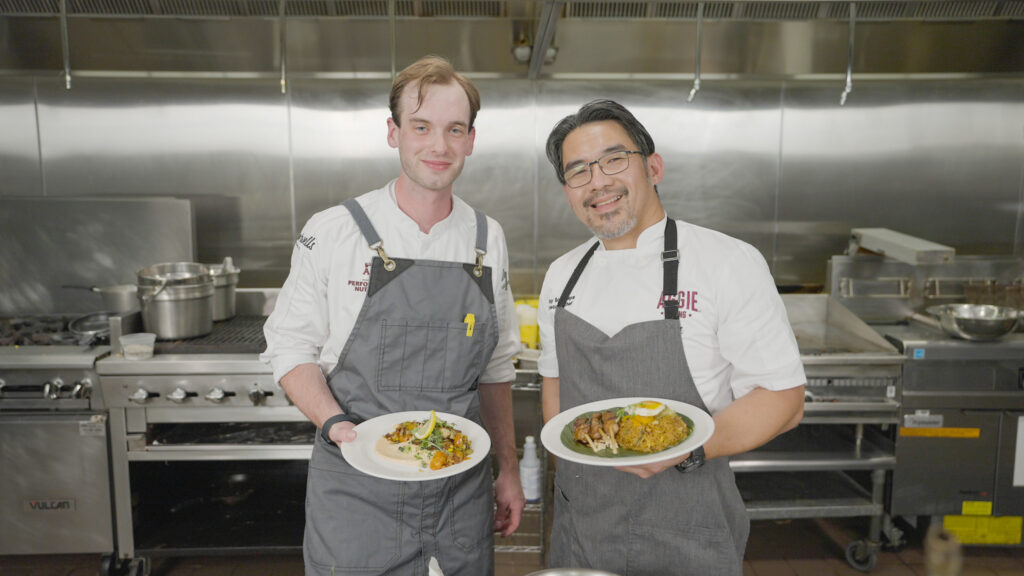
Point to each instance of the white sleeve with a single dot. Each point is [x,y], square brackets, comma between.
[500,368]
[547,364]
[298,327]
[754,332]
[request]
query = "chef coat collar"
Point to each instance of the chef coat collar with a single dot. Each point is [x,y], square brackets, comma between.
[652,238]
[407,225]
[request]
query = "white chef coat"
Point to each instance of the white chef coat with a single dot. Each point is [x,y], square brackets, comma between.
[317,307]
[733,324]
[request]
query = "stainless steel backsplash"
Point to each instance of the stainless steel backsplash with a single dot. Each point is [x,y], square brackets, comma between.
[777,163]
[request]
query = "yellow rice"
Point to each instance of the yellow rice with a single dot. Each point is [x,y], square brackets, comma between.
[666,430]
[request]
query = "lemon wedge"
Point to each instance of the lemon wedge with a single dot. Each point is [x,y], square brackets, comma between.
[426,428]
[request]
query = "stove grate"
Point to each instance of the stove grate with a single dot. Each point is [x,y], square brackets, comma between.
[238,335]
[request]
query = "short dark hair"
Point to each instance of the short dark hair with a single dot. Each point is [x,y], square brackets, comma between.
[425,72]
[596,111]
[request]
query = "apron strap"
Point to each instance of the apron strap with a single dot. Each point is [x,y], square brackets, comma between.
[481,232]
[576,275]
[670,264]
[369,232]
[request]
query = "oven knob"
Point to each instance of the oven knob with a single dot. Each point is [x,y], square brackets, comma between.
[3,384]
[179,395]
[52,388]
[215,395]
[257,396]
[82,388]
[140,396]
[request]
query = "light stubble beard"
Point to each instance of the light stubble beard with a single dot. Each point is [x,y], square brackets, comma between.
[605,226]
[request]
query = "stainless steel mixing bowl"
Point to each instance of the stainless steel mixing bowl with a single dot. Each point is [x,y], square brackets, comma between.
[976,321]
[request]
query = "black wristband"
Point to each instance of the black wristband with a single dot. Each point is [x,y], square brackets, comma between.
[693,461]
[325,431]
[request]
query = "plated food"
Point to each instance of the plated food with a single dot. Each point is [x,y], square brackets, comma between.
[372,453]
[627,431]
[431,443]
[645,427]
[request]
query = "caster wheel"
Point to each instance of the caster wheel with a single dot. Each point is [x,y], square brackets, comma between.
[110,565]
[107,565]
[861,556]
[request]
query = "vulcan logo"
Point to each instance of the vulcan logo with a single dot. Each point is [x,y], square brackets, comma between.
[51,505]
[307,241]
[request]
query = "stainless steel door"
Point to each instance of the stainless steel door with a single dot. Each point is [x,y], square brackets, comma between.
[54,484]
[944,458]
[1010,476]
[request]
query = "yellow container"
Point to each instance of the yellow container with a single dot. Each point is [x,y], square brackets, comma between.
[529,333]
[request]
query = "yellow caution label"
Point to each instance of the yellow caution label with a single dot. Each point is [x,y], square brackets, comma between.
[470,321]
[976,508]
[941,432]
[985,529]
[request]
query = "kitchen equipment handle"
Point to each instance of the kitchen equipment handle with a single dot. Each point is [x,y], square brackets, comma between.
[77,287]
[147,297]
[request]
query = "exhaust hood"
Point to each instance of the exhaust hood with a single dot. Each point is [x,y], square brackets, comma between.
[513,38]
[750,10]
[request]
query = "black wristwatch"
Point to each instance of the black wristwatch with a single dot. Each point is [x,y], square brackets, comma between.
[325,431]
[693,461]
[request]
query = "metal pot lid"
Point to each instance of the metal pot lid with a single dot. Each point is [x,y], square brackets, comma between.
[174,274]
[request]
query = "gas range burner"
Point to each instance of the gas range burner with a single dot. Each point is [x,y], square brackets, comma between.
[36,331]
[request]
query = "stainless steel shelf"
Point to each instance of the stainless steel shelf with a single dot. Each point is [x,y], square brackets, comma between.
[821,495]
[819,448]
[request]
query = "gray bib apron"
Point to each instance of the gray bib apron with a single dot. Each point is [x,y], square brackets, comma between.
[409,350]
[671,523]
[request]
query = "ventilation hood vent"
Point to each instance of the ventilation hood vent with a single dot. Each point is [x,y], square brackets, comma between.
[778,10]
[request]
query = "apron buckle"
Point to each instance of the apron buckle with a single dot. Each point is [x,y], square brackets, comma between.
[478,271]
[389,264]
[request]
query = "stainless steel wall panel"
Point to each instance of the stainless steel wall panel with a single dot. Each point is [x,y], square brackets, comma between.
[19,142]
[49,242]
[778,164]
[222,142]
[501,176]
[339,143]
[936,159]
[721,155]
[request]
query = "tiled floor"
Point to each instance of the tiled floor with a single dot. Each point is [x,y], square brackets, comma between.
[776,548]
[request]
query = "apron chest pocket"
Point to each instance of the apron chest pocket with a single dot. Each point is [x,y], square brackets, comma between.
[430,356]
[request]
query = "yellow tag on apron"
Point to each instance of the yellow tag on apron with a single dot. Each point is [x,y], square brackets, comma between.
[470,321]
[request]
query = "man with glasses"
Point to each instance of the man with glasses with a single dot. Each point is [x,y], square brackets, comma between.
[656,308]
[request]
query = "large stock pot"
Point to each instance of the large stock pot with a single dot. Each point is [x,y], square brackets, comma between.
[177,300]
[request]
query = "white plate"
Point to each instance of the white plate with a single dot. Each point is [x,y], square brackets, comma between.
[551,434]
[362,453]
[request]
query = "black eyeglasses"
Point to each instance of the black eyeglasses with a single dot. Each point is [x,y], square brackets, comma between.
[581,174]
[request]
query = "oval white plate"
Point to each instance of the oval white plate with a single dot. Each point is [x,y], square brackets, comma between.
[551,434]
[362,453]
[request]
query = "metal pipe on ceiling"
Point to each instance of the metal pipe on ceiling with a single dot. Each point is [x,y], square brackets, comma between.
[700,37]
[283,25]
[849,57]
[65,49]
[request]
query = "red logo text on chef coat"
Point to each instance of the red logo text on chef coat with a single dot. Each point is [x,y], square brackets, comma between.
[361,285]
[687,302]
